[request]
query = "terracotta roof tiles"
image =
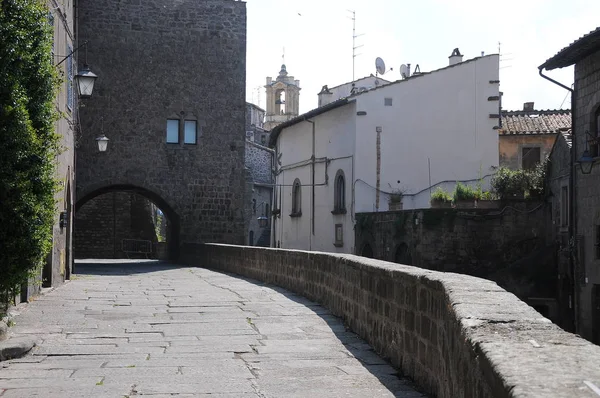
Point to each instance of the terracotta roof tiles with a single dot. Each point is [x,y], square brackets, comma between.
[535,122]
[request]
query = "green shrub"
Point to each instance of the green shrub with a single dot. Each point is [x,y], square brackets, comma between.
[487,196]
[508,183]
[396,196]
[465,192]
[28,143]
[440,195]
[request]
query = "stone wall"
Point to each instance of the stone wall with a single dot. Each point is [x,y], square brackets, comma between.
[259,160]
[158,60]
[587,203]
[103,222]
[557,182]
[455,335]
[507,245]
[259,165]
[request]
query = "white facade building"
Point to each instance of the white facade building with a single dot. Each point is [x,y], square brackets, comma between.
[349,156]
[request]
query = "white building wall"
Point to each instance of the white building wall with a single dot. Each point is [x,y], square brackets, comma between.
[334,148]
[443,116]
[345,90]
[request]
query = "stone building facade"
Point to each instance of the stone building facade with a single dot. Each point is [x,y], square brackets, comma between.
[57,267]
[259,166]
[255,125]
[584,212]
[557,183]
[509,246]
[171,100]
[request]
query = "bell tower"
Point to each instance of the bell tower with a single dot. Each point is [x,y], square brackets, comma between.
[283,99]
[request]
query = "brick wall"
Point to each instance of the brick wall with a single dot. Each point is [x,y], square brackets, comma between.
[455,335]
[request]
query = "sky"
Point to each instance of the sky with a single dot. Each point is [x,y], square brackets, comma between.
[317,38]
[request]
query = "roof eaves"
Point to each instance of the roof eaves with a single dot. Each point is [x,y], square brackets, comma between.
[574,52]
[312,113]
[423,74]
[357,80]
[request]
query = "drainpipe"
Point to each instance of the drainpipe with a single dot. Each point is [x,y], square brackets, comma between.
[572,207]
[312,183]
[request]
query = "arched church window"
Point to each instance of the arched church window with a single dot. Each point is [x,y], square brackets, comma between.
[296,199]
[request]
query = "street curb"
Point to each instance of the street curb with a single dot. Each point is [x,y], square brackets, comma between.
[3,331]
[16,347]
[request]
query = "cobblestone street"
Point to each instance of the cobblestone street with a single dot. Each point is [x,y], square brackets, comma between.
[134,328]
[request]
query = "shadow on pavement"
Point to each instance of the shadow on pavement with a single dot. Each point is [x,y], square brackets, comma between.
[395,382]
[120,266]
[399,385]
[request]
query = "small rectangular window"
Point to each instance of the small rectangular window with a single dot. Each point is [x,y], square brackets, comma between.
[190,132]
[70,78]
[564,206]
[597,242]
[388,102]
[339,235]
[530,158]
[172,131]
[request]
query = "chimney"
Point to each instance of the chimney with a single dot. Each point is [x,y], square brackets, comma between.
[528,107]
[456,57]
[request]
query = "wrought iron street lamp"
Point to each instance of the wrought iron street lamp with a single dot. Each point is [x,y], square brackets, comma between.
[102,143]
[586,162]
[263,221]
[85,81]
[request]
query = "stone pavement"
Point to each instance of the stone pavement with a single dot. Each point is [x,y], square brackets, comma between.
[133,328]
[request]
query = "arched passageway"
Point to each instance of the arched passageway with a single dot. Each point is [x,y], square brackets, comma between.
[125,221]
[367,251]
[402,255]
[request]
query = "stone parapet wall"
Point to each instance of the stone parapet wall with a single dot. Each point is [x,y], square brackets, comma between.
[455,335]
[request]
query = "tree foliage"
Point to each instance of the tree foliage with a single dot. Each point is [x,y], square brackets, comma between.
[28,142]
[509,183]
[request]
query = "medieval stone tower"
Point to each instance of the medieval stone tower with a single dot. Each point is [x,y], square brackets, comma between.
[283,99]
[176,126]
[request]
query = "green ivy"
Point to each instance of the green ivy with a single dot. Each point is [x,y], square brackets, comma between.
[28,142]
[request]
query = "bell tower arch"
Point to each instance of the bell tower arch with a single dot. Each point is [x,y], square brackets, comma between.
[283,99]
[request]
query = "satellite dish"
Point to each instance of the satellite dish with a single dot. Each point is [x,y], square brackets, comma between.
[404,71]
[380,66]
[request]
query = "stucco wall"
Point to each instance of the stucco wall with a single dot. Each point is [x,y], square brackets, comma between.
[443,116]
[510,147]
[334,149]
[587,190]
[455,335]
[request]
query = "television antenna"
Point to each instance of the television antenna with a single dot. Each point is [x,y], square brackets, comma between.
[354,46]
[380,66]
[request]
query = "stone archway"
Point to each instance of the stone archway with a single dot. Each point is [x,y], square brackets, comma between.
[367,251]
[173,225]
[402,255]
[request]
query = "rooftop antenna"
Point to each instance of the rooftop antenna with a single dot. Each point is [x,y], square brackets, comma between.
[405,71]
[354,46]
